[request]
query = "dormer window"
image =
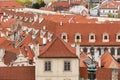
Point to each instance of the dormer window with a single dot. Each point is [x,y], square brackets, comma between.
[77,37]
[118,37]
[91,37]
[105,37]
[64,37]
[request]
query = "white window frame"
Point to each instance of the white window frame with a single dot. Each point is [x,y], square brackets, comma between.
[77,40]
[117,40]
[90,35]
[64,34]
[105,40]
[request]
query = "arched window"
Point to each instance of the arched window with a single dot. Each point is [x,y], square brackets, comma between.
[85,49]
[77,37]
[118,37]
[91,37]
[64,37]
[99,50]
[118,51]
[92,52]
[105,37]
[105,49]
[112,51]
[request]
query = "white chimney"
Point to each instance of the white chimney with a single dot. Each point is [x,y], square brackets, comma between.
[99,62]
[1,18]
[61,23]
[44,40]
[78,50]
[37,49]
[2,53]
[69,1]
[35,17]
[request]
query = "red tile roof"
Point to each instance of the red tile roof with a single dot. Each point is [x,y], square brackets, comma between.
[107,61]
[58,49]
[83,57]
[108,5]
[86,29]
[101,73]
[17,73]
[9,57]
[10,4]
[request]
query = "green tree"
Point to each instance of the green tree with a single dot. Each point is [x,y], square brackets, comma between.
[110,15]
[36,6]
[20,1]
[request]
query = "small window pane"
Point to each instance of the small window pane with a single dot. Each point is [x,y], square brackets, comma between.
[47,66]
[77,37]
[105,37]
[118,51]
[118,37]
[92,37]
[66,66]
[112,51]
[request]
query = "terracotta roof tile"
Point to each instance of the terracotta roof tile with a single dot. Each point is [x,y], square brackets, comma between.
[107,61]
[83,57]
[86,29]
[10,4]
[101,73]
[17,73]
[52,50]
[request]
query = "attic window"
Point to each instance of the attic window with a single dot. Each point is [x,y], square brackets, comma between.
[105,37]
[91,37]
[78,37]
[64,37]
[118,37]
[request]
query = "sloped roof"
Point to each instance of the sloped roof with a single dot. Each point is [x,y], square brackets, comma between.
[107,61]
[17,73]
[57,49]
[10,4]
[83,57]
[101,73]
[110,4]
[86,29]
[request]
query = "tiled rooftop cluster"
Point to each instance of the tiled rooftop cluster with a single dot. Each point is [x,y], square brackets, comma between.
[29,36]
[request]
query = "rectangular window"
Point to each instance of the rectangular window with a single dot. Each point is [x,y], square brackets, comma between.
[67,66]
[47,65]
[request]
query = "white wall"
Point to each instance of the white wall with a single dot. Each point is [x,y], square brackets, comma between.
[57,69]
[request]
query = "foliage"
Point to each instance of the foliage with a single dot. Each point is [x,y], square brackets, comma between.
[24,2]
[20,1]
[38,5]
[118,15]
[110,15]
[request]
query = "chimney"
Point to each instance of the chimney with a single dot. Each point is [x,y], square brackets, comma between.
[44,40]
[61,23]
[2,53]
[78,50]
[99,62]
[69,2]
[1,18]
[37,49]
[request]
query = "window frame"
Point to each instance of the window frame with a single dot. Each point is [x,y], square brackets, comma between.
[67,66]
[117,37]
[104,37]
[77,35]
[47,66]
[92,39]
[64,35]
